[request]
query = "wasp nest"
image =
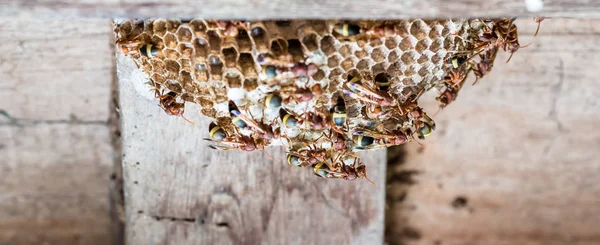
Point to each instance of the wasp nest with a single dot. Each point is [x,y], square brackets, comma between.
[322,89]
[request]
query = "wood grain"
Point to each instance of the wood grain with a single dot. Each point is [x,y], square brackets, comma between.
[55,151]
[515,158]
[179,191]
[284,9]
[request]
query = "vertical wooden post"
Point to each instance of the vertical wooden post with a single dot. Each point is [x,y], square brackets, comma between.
[179,191]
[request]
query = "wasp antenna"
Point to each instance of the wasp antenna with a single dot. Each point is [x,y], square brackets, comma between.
[269,156]
[207,139]
[370,181]
[187,120]
[510,57]
[213,147]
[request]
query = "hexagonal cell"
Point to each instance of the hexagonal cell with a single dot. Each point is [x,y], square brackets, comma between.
[209,112]
[378,55]
[158,78]
[423,59]
[187,97]
[278,47]
[419,29]
[159,27]
[402,29]
[205,102]
[216,66]
[233,81]
[327,45]
[184,34]
[408,58]
[410,70]
[436,45]
[361,53]
[157,65]
[335,73]
[157,41]
[250,85]
[201,72]
[422,45]
[436,59]
[172,66]
[320,27]
[393,56]
[260,38]
[334,61]
[201,48]
[170,41]
[311,42]
[171,54]
[172,24]
[248,66]
[187,82]
[173,85]
[347,64]
[378,68]
[375,42]
[221,95]
[435,32]
[214,40]
[185,49]
[186,64]
[231,56]
[345,50]
[423,71]
[449,43]
[243,41]
[198,27]
[319,75]
[391,43]
[395,69]
[362,65]
[295,49]
[405,44]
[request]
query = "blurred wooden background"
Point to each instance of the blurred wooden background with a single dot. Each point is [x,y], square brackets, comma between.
[514,160]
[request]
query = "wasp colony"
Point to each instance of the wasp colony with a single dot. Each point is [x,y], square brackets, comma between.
[322,89]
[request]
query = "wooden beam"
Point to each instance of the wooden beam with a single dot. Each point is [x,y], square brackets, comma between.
[515,158]
[284,9]
[179,191]
[55,150]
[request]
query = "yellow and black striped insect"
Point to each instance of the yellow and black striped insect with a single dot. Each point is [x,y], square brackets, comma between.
[362,141]
[425,130]
[216,132]
[269,71]
[339,114]
[382,81]
[149,50]
[294,160]
[288,119]
[347,30]
[273,101]
[235,113]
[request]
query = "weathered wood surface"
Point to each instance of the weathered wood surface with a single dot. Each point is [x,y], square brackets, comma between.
[55,151]
[515,158]
[179,191]
[285,9]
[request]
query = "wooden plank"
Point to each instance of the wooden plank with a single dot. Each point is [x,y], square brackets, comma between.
[55,149]
[55,70]
[178,191]
[284,9]
[54,185]
[515,158]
